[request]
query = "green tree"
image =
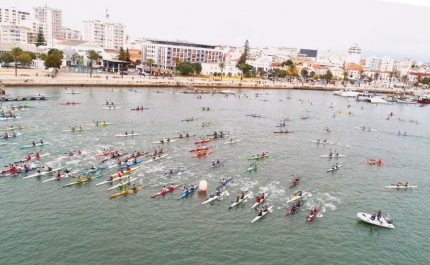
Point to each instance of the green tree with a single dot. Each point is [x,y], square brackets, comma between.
[328,76]
[32,55]
[54,59]
[304,73]
[287,63]
[221,67]
[75,58]
[122,56]
[43,56]
[345,77]
[93,56]
[15,53]
[40,38]
[185,68]
[6,58]
[197,67]
[245,54]
[24,58]
[316,77]
[376,75]
[291,70]
[312,74]
[150,62]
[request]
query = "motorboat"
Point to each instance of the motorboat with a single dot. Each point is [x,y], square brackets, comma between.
[228,92]
[337,93]
[350,93]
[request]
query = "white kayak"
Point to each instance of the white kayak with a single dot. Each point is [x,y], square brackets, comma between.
[54,170]
[295,198]
[366,129]
[110,181]
[164,141]
[111,108]
[155,159]
[257,203]
[263,214]
[208,200]
[32,158]
[320,142]
[240,200]
[232,142]
[400,187]
[333,156]
[126,135]
[123,184]
[334,168]
[61,177]
[381,222]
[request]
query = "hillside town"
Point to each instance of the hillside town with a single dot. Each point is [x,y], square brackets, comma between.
[115,51]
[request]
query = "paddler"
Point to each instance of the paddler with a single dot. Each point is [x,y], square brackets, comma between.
[89,176]
[379,214]
[237,199]
[180,135]
[41,141]
[262,197]
[191,187]
[80,179]
[299,193]
[185,190]
[58,175]
[28,157]
[134,187]
[171,188]
[260,213]
[163,190]
[33,143]
[406,184]
[217,161]
[242,196]
[330,155]
[187,135]
[93,167]
[37,155]
[110,178]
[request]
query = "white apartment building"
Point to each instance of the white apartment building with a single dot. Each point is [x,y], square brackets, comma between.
[164,53]
[13,15]
[354,54]
[54,22]
[386,64]
[106,34]
[405,63]
[263,61]
[373,63]
[71,34]
[331,59]
[12,33]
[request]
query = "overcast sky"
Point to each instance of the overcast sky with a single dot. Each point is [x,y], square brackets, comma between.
[379,27]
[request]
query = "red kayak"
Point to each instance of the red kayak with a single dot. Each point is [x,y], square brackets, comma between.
[204,141]
[113,157]
[134,156]
[298,206]
[312,216]
[202,154]
[108,153]
[284,132]
[168,190]
[295,181]
[200,149]
[69,103]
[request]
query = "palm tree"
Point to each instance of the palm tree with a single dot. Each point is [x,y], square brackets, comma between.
[241,67]
[221,66]
[345,78]
[122,56]
[376,75]
[150,62]
[15,53]
[291,70]
[75,57]
[176,60]
[93,55]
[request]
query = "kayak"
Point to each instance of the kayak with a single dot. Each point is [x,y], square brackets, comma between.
[376,163]
[221,163]
[184,137]
[381,222]
[262,214]
[163,141]
[240,201]
[110,181]
[113,157]
[15,128]
[258,157]
[333,156]
[189,119]
[402,134]
[312,216]
[206,124]
[298,206]
[282,125]
[126,135]
[400,187]
[167,191]
[126,171]
[10,118]
[72,93]
[107,153]
[111,108]
[232,142]
[140,109]
[54,170]
[124,183]
[257,203]
[226,181]
[319,142]
[205,141]
[297,197]
[61,177]
[100,124]
[295,181]
[29,146]
[202,154]
[69,103]
[249,169]
[200,149]
[175,172]
[185,194]
[208,200]
[127,191]
[155,159]
[10,136]
[284,132]
[334,168]
[80,182]
[255,115]
[131,164]
[33,157]
[75,130]
[366,129]
[95,170]
[132,156]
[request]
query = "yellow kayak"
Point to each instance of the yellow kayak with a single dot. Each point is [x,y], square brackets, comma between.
[127,191]
[126,171]
[15,128]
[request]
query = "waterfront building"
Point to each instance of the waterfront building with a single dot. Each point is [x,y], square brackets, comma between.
[373,63]
[354,54]
[108,35]
[54,22]
[71,34]
[386,64]
[13,15]
[13,33]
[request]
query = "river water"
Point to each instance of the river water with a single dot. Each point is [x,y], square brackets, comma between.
[48,224]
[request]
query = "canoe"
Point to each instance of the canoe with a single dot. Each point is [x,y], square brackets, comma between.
[126,135]
[258,157]
[125,171]
[188,193]
[124,183]
[15,128]
[333,169]
[200,149]
[54,170]
[164,141]
[127,191]
[226,181]
[61,177]
[297,197]
[249,169]
[155,159]
[113,157]
[381,222]
[189,119]
[133,156]
[208,200]
[333,156]
[167,191]
[221,163]
[205,124]
[240,201]
[11,118]
[30,146]
[175,172]
[202,154]
[95,170]
[110,181]
[232,142]
[10,136]
[298,206]
[257,203]
[400,187]
[312,216]
[86,180]
[129,164]
[204,141]
[262,215]
[32,158]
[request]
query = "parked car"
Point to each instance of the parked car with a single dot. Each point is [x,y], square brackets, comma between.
[123,73]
